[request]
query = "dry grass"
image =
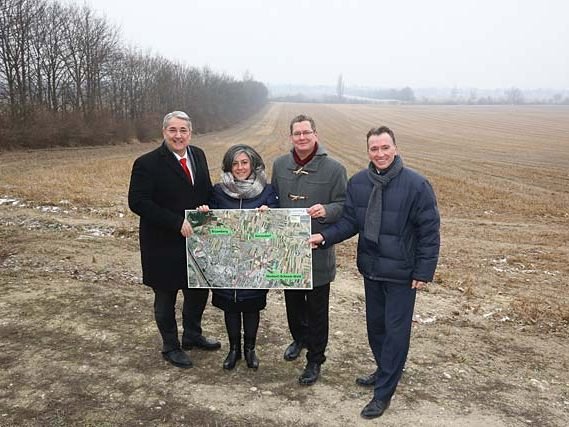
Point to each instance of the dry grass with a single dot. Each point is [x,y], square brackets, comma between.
[498,313]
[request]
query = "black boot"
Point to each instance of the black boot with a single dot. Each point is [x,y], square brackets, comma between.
[250,356]
[250,328]
[234,353]
[233,326]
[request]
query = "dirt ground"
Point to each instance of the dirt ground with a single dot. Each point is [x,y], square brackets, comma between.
[78,343]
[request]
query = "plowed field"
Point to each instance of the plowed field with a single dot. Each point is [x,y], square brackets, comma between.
[78,343]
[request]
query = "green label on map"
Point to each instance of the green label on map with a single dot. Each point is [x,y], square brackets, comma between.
[262,235]
[220,231]
[283,276]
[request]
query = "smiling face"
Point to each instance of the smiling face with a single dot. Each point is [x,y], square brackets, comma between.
[303,138]
[241,167]
[381,150]
[177,135]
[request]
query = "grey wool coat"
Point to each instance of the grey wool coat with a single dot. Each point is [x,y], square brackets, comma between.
[323,180]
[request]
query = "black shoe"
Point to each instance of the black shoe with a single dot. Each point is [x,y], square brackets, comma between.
[251,358]
[203,343]
[178,358]
[293,350]
[375,408]
[310,374]
[367,380]
[231,360]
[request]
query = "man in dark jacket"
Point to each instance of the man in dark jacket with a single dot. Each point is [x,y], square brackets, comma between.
[164,183]
[394,210]
[307,177]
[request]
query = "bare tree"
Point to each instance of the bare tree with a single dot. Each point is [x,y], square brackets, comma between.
[68,64]
[340,88]
[16,25]
[514,96]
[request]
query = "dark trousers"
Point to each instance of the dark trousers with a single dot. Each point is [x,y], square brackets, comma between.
[307,315]
[389,314]
[164,312]
[250,327]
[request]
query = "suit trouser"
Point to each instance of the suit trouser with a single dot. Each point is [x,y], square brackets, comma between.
[307,315]
[389,315]
[195,301]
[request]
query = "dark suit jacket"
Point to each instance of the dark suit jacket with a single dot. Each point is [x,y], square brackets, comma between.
[159,193]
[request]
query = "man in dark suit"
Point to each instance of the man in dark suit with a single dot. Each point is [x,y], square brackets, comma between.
[164,183]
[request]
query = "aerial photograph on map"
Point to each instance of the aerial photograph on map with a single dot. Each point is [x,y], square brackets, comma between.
[249,249]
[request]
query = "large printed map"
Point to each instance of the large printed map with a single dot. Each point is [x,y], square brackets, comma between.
[249,249]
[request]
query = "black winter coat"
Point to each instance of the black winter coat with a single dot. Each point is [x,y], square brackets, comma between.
[159,193]
[221,200]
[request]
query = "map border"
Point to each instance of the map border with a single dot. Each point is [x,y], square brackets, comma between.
[199,279]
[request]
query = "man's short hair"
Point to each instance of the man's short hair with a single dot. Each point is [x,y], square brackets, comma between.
[303,118]
[381,130]
[178,115]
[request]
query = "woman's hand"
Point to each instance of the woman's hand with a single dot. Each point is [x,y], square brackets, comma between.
[203,208]
[263,208]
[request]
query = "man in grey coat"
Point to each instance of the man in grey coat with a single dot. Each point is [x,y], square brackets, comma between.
[308,178]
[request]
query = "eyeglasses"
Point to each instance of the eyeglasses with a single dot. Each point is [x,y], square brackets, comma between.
[303,133]
[174,131]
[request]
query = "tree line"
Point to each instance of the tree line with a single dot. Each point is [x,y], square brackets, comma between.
[66,78]
[405,94]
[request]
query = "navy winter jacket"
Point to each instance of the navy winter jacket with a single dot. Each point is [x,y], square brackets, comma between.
[409,239]
[221,200]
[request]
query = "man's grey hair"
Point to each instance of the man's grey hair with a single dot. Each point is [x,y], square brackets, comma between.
[176,115]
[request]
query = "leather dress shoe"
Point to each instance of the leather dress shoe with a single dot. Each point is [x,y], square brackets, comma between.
[310,374]
[367,380]
[177,358]
[293,350]
[375,408]
[203,343]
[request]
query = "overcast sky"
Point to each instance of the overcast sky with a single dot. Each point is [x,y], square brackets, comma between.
[382,43]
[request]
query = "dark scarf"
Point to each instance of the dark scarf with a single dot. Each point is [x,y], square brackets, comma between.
[300,162]
[374,209]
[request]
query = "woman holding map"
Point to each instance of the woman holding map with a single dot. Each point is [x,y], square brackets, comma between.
[243,186]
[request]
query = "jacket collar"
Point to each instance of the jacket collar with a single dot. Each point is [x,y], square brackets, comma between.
[311,166]
[172,161]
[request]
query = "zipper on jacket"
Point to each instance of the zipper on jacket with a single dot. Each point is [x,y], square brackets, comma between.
[235,292]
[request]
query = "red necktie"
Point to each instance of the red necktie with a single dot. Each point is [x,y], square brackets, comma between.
[186,170]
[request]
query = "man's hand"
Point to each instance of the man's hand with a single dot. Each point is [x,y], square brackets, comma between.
[186,229]
[263,208]
[316,211]
[315,240]
[417,284]
[203,208]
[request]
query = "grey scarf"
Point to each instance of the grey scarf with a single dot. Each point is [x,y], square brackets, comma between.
[247,189]
[373,214]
